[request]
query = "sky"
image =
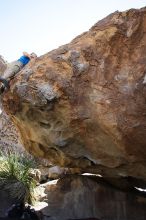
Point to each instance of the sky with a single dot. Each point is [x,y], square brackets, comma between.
[42,25]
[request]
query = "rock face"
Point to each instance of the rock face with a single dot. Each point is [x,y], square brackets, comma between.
[84,104]
[9,136]
[79,197]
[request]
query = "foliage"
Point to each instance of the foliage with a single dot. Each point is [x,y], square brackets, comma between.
[15,177]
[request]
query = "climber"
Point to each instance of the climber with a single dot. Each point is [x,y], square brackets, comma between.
[14,68]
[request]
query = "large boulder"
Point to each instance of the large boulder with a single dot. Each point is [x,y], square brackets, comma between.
[84,104]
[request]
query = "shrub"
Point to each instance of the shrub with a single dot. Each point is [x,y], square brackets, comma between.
[15,178]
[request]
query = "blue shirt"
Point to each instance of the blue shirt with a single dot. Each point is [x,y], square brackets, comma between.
[24,60]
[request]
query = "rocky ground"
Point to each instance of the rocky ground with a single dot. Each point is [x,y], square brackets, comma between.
[84,197]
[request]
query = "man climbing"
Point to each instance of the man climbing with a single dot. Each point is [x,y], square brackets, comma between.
[14,68]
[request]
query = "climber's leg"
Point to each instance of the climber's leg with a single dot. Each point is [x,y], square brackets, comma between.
[12,70]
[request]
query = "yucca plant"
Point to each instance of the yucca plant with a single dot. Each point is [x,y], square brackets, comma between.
[15,177]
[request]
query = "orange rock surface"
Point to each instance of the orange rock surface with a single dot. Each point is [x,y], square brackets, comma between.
[84,104]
